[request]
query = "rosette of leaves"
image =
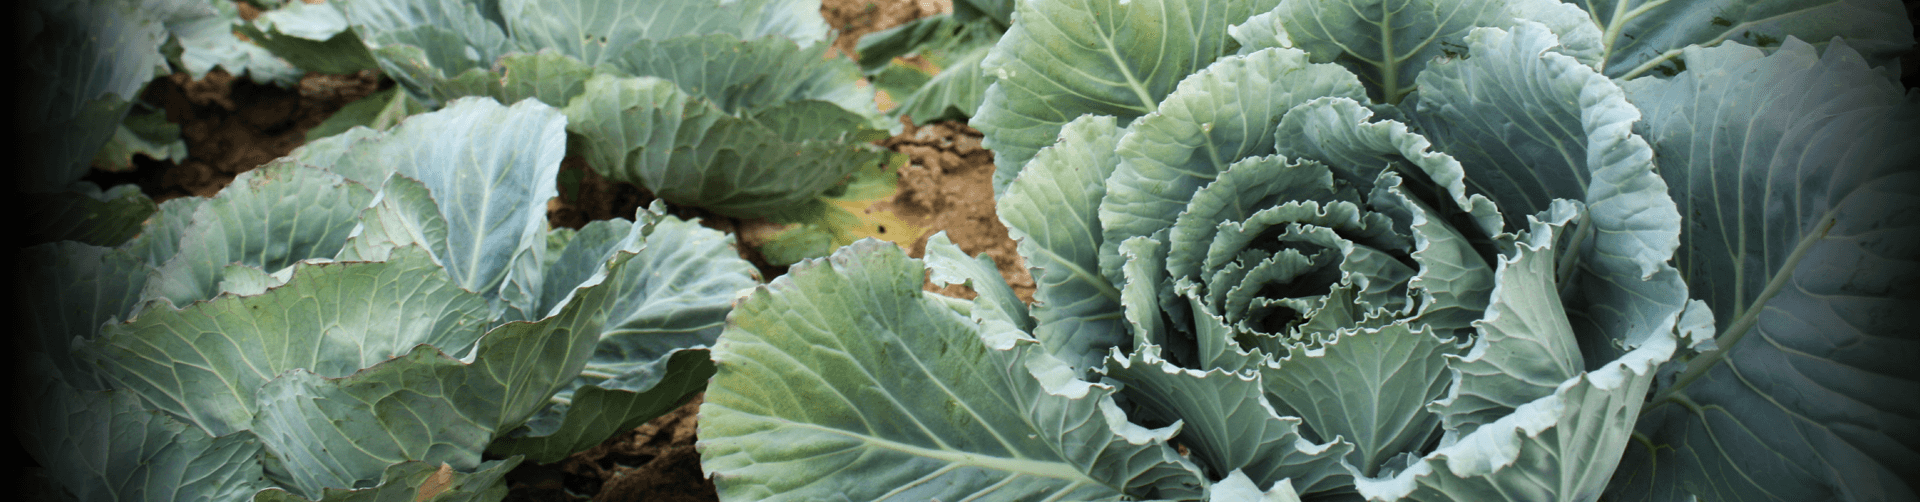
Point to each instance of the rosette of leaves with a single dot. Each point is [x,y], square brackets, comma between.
[1387,250]
[728,106]
[376,315]
[948,85]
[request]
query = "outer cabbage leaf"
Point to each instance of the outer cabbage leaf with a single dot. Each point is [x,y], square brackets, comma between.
[1563,440]
[159,237]
[425,405]
[1797,174]
[488,170]
[1105,57]
[88,59]
[566,24]
[421,42]
[721,86]
[69,290]
[1651,36]
[1386,42]
[205,32]
[671,296]
[843,214]
[994,305]
[821,392]
[204,363]
[145,133]
[688,151]
[378,111]
[1530,126]
[1237,486]
[1052,210]
[87,214]
[311,37]
[103,445]
[953,45]
[415,481]
[275,215]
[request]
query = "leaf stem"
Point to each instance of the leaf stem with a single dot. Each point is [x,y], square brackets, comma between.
[1743,325]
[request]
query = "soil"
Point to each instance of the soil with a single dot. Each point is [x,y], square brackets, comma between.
[233,125]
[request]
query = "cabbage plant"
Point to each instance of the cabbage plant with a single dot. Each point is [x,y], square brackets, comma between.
[1380,250]
[379,314]
[729,106]
[953,44]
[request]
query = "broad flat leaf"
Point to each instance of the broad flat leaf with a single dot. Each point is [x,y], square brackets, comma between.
[144,133]
[672,295]
[579,256]
[68,290]
[1105,57]
[489,169]
[103,445]
[954,87]
[1648,37]
[405,215]
[551,77]
[88,59]
[269,218]
[877,50]
[1366,386]
[1053,213]
[205,32]
[953,93]
[1809,269]
[311,37]
[1239,432]
[159,238]
[203,363]
[87,214]
[1217,116]
[741,76]
[1386,42]
[842,379]
[592,413]
[421,42]
[844,213]
[378,111]
[416,481]
[1561,447]
[644,130]
[424,405]
[598,30]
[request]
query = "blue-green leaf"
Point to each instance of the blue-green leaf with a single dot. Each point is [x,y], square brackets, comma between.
[843,379]
[1797,174]
[1064,58]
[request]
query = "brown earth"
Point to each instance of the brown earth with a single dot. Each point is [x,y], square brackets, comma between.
[233,125]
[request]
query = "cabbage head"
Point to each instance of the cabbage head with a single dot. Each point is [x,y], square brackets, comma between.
[1381,250]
